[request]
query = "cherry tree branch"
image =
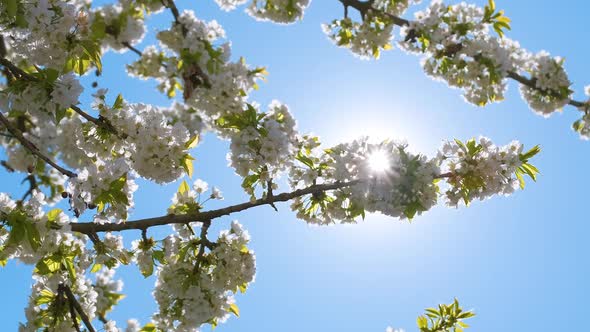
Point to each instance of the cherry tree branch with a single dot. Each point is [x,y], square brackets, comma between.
[364,6]
[91,227]
[32,148]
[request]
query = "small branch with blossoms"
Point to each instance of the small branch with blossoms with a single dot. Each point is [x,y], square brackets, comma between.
[458,48]
[32,148]
[100,122]
[140,224]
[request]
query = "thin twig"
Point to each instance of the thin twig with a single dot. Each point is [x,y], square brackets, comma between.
[5,165]
[32,185]
[77,306]
[201,253]
[131,48]
[32,148]
[74,317]
[269,195]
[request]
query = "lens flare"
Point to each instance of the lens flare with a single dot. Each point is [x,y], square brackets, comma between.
[379,161]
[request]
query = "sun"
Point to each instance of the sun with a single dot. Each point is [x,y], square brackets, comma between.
[379,162]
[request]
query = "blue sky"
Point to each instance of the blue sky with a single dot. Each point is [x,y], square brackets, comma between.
[517,261]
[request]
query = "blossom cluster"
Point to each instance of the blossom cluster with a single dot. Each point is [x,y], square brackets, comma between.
[123,24]
[187,200]
[459,49]
[387,179]
[278,11]
[479,169]
[194,61]
[109,189]
[188,298]
[551,84]
[50,26]
[263,145]
[365,39]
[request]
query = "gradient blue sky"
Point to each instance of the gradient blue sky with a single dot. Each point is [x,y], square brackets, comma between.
[519,261]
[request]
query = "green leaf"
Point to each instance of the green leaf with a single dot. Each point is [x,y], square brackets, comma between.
[578,125]
[69,264]
[412,209]
[530,153]
[159,256]
[459,143]
[118,102]
[48,265]
[11,8]
[148,270]
[250,180]
[243,287]
[96,267]
[184,187]
[33,235]
[149,327]
[53,214]
[233,308]
[529,170]
[492,5]
[305,160]
[187,164]
[192,142]
[17,234]
[50,74]
[46,296]
[422,322]
[521,181]
[93,51]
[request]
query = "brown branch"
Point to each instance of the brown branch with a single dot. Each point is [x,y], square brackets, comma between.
[77,306]
[102,319]
[90,227]
[16,71]
[131,48]
[32,186]
[32,148]
[201,253]
[172,6]
[74,317]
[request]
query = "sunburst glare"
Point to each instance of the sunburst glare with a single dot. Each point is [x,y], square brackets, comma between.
[379,162]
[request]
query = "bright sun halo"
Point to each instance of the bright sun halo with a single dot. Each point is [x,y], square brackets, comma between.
[378,161]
